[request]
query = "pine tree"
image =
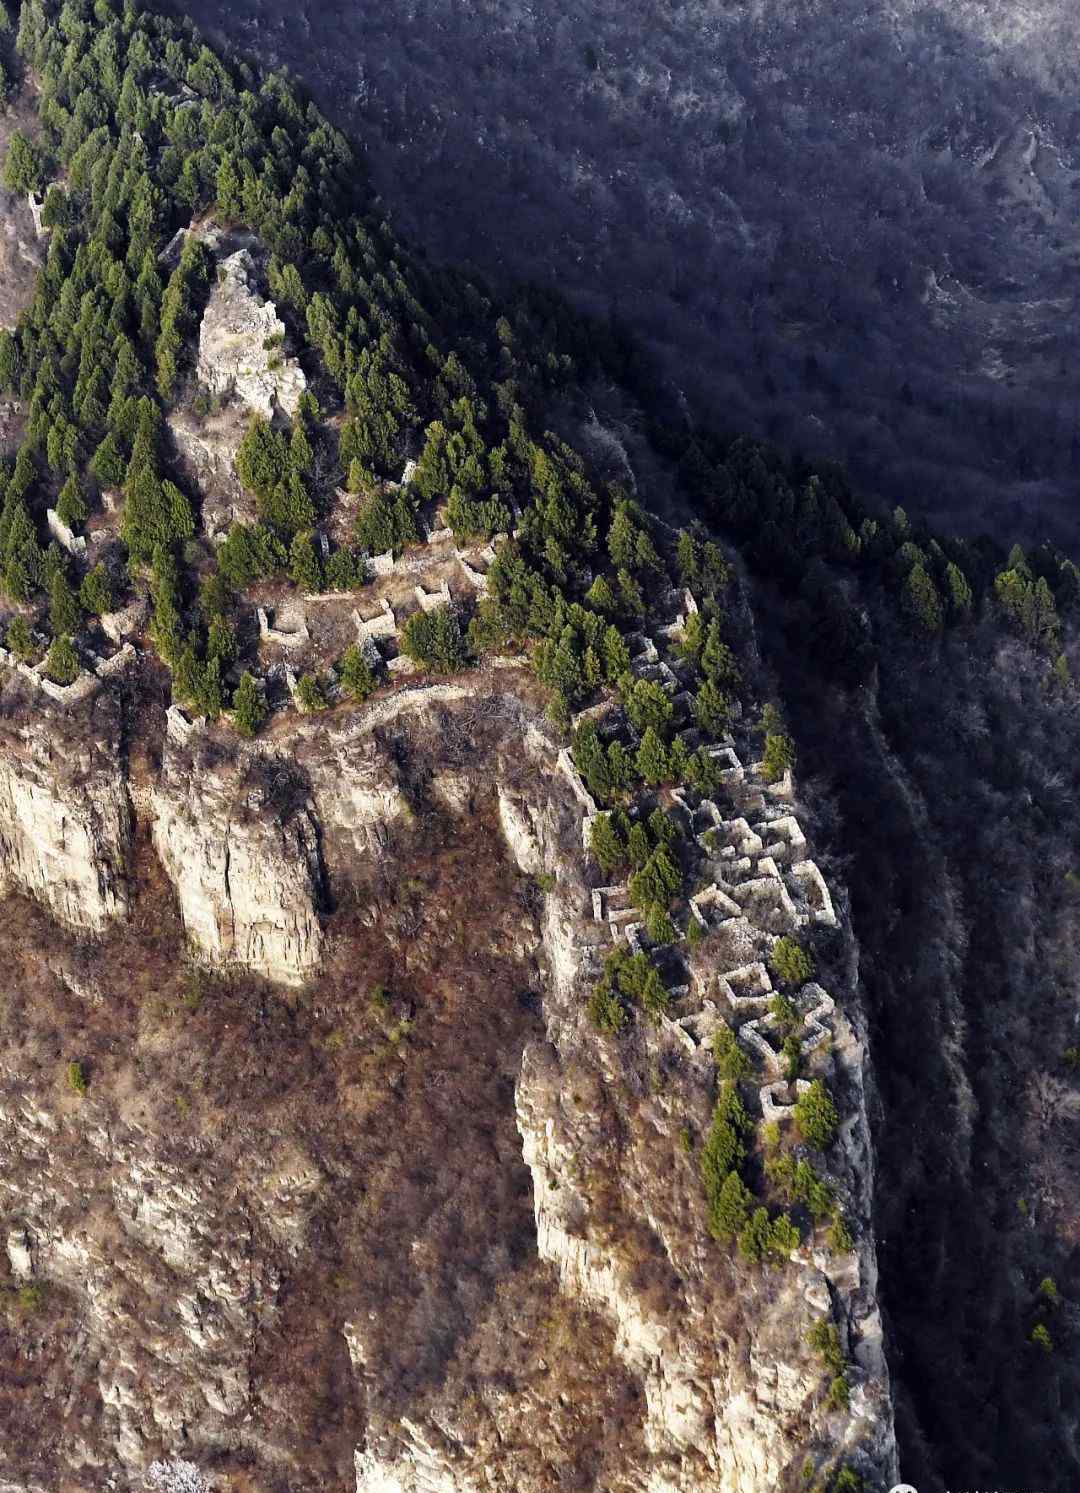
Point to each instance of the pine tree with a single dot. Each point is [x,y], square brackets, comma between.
[95,593]
[639,848]
[620,767]
[816,1116]
[305,562]
[960,596]
[731,1062]
[62,663]
[221,642]
[652,757]
[923,601]
[653,995]
[211,696]
[779,755]
[687,553]
[20,640]
[249,707]
[64,612]
[712,708]
[312,697]
[24,166]
[357,675]
[730,1208]
[600,596]
[790,962]
[605,844]
[754,1236]
[616,654]
[658,925]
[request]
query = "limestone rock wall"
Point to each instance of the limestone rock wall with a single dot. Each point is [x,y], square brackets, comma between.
[64,818]
[239,841]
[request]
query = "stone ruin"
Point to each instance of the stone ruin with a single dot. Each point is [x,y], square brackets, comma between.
[36,205]
[294,636]
[234,355]
[74,543]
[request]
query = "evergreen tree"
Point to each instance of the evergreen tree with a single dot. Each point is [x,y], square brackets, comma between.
[652,759]
[64,614]
[688,557]
[755,1236]
[221,643]
[601,597]
[305,562]
[20,640]
[24,166]
[249,707]
[95,593]
[311,694]
[605,844]
[923,600]
[658,925]
[730,1208]
[70,505]
[357,675]
[712,708]
[616,654]
[790,962]
[639,848]
[960,596]
[731,1062]
[816,1116]
[779,755]
[62,663]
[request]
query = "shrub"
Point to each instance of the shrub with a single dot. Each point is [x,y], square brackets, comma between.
[816,1117]
[839,1237]
[31,1296]
[790,962]
[783,1010]
[839,1395]
[76,1077]
[1048,1291]
[847,1480]
[1041,1338]
[824,1339]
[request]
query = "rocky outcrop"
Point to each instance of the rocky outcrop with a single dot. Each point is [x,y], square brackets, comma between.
[239,841]
[64,816]
[241,344]
[259,841]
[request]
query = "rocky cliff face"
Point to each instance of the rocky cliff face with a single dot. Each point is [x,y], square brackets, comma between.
[65,823]
[466,1222]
